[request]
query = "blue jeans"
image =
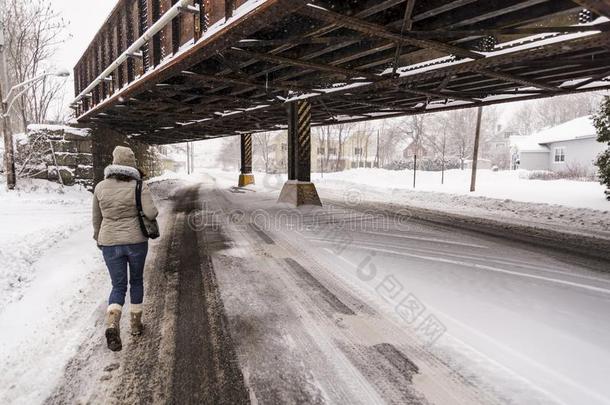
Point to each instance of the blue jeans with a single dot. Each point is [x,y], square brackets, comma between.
[117,258]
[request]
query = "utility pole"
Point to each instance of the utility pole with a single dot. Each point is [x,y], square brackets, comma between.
[443,162]
[192,157]
[475,153]
[9,153]
[321,159]
[414,169]
[188,159]
[377,154]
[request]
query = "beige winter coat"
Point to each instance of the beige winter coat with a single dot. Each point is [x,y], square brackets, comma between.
[115,216]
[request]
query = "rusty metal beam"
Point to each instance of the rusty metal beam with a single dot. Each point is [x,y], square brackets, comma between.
[309,58]
[506,31]
[260,17]
[593,79]
[437,94]
[304,64]
[257,43]
[407,23]
[240,82]
[490,63]
[517,79]
[379,31]
[374,9]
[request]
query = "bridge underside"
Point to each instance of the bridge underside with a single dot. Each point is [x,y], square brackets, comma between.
[356,60]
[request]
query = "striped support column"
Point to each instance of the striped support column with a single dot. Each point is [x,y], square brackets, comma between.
[299,141]
[299,190]
[246,176]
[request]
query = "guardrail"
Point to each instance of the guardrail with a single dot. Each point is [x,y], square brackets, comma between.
[136,37]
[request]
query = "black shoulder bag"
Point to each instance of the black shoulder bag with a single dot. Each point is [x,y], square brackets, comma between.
[149,228]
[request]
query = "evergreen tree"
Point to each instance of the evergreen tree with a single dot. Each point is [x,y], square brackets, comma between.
[602,124]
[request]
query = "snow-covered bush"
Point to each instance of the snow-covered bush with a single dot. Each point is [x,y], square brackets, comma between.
[426,164]
[601,120]
[575,172]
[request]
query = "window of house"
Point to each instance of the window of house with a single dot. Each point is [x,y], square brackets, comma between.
[560,155]
[284,147]
[320,151]
[357,151]
[332,151]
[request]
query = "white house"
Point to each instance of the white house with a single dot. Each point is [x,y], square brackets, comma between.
[569,146]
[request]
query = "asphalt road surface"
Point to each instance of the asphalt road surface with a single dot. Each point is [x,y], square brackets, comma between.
[252,302]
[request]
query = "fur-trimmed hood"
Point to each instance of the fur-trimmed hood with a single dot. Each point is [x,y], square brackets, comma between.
[124,170]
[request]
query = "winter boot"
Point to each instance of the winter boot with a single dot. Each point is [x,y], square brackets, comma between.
[113,331]
[136,319]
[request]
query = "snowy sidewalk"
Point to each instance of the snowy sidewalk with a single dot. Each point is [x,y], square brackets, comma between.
[51,274]
[35,218]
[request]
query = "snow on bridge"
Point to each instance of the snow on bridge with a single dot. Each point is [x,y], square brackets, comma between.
[173,71]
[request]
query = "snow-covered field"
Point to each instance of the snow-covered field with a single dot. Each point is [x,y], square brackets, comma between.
[50,276]
[503,185]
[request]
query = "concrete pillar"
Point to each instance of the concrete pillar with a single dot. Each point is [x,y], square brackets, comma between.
[299,190]
[246,177]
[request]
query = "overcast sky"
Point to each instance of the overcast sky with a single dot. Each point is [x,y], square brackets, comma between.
[85,18]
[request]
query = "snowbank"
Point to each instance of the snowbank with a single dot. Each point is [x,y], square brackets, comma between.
[51,278]
[35,218]
[504,185]
[82,132]
[170,175]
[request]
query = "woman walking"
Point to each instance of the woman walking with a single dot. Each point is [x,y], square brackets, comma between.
[118,234]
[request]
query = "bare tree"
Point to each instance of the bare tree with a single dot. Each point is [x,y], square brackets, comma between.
[342,132]
[555,111]
[460,132]
[532,116]
[324,140]
[362,137]
[389,141]
[489,127]
[523,120]
[262,146]
[418,131]
[33,34]
[229,157]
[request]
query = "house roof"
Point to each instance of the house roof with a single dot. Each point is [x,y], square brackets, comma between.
[579,128]
[527,144]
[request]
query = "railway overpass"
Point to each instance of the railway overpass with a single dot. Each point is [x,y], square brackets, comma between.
[169,71]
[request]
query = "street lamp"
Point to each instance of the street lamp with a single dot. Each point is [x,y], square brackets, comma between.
[5,108]
[28,84]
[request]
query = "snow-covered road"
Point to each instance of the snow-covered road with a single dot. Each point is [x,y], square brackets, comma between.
[247,299]
[517,318]
[529,325]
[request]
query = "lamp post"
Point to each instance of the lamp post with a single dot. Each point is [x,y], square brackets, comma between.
[5,107]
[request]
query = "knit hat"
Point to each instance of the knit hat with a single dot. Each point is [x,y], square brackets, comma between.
[123,156]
